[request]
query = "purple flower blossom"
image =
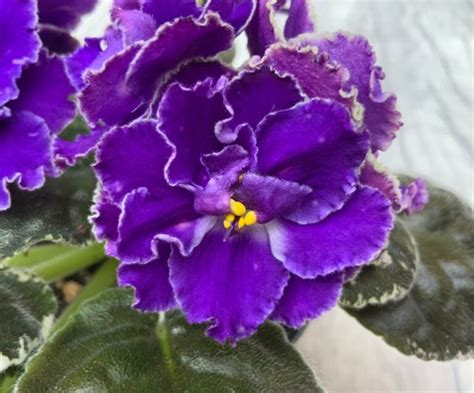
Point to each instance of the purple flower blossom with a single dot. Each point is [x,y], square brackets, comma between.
[34,100]
[414,196]
[243,201]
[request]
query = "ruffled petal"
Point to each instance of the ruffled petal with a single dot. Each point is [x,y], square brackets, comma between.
[261,31]
[254,94]
[380,114]
[306,299]
[233,284]
[300,19]
[414,196]
[19,44]
[351,236]
[131,157]
[230,161]
[64,14]
[173,43]
[270,197]
[105,218]
[169,216]
[128,4]
[153,291]
[313,143]
[165,11]
[192,135]
[237,13]
[135,25]
[25,153]
[46,91]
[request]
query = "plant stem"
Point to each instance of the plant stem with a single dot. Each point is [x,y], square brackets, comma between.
[38,254]
[104,278]
[70,262]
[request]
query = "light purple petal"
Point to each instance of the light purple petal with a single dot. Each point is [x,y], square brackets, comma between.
[64,14]
[57,40]
[169,216]
[414,196]
[306,299]
[232,284]
[191,135]
[313,143]
[351,236]
[25,153]
[153,291]
[300,19]
[270,197]
[131,157]
[237,13]
[165,11]
[380,116]
[46,91]
[254,94]
[128,4]
[135,25]
[261,31]
[19,43]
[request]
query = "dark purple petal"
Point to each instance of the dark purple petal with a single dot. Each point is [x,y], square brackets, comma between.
[305,299]
[169,216]
[187,118]
[25,153]
[270,197]
[374,175]
[105,219]
[173,43]
[165,11]
[414,196]
[153,290]
[57,40]
[313,143]
[131,157]
[380,116]
[107,97]
[135,25]
[64,14]
[19,43]
[233,284]
[351,236]
[92,55]
[230,162]
[261,31]
[254,94]
[300,19]
[46,91]
[237,13]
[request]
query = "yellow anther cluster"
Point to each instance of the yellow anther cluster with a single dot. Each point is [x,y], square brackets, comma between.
[245,218]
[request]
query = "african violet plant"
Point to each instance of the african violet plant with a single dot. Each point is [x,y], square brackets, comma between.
[230,200]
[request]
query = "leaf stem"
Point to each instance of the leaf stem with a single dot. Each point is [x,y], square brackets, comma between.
[70,262]
[38,254]
[104,278]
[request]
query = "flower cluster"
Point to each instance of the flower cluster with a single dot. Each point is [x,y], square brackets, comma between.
[236,195]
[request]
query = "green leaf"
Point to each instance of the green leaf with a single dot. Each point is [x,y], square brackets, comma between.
[389,278]
[57,212]
[27,309]
[436,319]
[8,379]
[74,129]
[108,346]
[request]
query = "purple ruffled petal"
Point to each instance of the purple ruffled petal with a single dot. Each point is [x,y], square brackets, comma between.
[380,116]
[19,43]
[261,31]
[135,25]
[45,90]
[192,135]
[234,284]
[351,236]
[414,196]
[105,218]
[57,40]
[305,299]
[237,13]
[169,216]
[254,94]
[165,11]
[173,43]
[128,4]
[313,143]
[300,19]
[64,14]
[270,197]
[230,162]
[25,153]
[153,291]
[131,157]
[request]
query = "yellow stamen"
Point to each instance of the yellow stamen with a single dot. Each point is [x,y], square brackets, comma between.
[250,218]
[227,224]
[230,217]
[238,208]
[241,223]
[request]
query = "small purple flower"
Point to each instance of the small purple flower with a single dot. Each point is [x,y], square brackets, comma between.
[34,100]
[241,203]
[414,196]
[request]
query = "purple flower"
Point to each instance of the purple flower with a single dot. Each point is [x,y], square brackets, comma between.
[34,100]
[243,201]
[414,196]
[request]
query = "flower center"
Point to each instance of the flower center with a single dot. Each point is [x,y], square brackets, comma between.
[239,216]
